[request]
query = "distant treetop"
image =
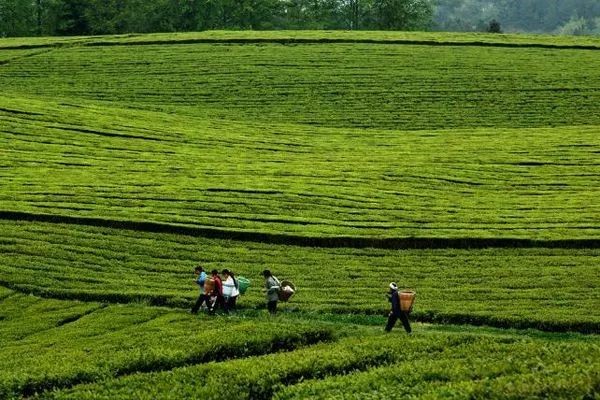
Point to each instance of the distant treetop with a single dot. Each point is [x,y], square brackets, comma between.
[91,17]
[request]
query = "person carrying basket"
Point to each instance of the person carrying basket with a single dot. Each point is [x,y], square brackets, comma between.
[273,287]
[397,311]
[230,290]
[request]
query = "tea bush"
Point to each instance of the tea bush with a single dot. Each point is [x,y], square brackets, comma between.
[375,366]
[117,340]
[550,289]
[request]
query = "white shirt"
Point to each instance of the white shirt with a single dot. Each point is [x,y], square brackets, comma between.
[229,289]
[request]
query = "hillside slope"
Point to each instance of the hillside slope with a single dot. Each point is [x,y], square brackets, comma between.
[464,167]
[292,181]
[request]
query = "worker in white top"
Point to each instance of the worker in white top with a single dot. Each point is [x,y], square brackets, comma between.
[230,290]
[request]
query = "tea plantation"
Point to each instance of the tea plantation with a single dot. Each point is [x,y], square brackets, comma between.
[463,166]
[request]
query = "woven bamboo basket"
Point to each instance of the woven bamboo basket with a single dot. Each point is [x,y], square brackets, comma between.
[285,294]
[407,300]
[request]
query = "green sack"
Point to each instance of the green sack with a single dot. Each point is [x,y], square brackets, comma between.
[243,284]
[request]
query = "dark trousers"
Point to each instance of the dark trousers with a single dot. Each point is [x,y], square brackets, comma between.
[229,304]
[272,306]
[218,303]
[394,317]
[201,299]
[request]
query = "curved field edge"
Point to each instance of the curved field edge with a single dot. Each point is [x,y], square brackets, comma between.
[387,86]
[300,185]
[424,38]
[549,289]
[304,241]
[360,367]
[50,344]
[490,372]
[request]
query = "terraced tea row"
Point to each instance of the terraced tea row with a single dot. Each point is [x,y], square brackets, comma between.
[304,36]
[427,365]
[6,55]
[126,161]
[406,87]
[122,345]
[132,165]
[550,289]
[374,37]
[483,368]
[47,344]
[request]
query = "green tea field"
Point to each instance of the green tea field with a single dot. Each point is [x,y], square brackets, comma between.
[463,166]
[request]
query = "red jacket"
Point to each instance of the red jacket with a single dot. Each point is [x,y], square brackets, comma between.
[218,290]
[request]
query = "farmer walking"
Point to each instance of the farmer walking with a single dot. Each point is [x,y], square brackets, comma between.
[396,310]
[203,297]
[272,285]
[217,292]
[230,290]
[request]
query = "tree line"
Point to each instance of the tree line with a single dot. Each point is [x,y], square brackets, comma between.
[91,17]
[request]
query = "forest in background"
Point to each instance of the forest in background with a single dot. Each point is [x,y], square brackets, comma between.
[91,17]
[567,17]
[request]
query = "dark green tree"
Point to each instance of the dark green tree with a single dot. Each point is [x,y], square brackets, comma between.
[84,17]
[402,14]
[353,12]
[72,18]
[17,18]
[494,27]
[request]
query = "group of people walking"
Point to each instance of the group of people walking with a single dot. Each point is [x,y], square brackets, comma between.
[222,291]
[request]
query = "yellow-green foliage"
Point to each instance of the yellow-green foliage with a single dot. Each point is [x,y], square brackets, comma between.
[127,160]
[62,347]
[429,365]
[550,289]
[85,160]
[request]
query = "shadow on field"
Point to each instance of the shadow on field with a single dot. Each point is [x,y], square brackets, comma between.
[305,241]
